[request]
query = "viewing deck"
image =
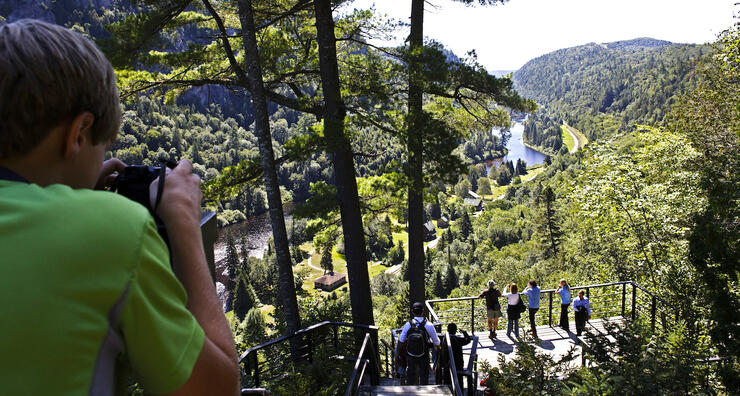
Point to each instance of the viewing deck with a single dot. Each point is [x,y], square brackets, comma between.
[553,341]
[360,354]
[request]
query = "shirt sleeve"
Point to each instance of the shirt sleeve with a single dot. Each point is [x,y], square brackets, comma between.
[404,331]
[432,333]
[163,339]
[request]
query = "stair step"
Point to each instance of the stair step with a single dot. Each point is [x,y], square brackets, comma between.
[419,390]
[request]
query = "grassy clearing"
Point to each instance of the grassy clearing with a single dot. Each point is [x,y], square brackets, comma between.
[567,138]
[377,269]
[580,137]
[532,173]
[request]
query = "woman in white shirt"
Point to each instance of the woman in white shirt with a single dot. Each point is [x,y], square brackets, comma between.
[512,311]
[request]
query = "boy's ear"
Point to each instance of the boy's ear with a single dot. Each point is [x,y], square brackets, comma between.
[76,133]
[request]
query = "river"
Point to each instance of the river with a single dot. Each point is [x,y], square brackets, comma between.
[256,230]
[516,148]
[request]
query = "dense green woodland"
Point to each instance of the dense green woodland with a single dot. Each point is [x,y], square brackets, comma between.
[655,198]
[604,88]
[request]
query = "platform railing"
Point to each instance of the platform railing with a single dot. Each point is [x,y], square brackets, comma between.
[624,299]
[454,383]
[366,358]
[264,364]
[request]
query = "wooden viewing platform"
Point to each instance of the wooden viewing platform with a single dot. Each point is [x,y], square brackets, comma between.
[375,371]
[553,341]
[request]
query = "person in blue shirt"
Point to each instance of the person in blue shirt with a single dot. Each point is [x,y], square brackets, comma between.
[564,291]
[417,359]
[583,312]
[533,297]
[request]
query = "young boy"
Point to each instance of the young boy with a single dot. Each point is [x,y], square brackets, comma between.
[86,284]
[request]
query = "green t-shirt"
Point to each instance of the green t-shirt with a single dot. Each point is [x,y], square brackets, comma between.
[83,276]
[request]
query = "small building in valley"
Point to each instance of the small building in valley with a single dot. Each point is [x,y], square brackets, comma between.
[330,281]
[475,203]
[430,232]
[443,222]
[474,195]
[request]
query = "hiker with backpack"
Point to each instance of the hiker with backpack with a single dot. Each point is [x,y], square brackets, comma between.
[414,338]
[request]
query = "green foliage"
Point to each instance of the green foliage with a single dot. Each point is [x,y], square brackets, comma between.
[710,118]
[543,130]
[632,361]
[604,88]
[484,186]
[531,372]
[327,262]
[636,198]
[451,281]
[385,284]
[315,309]
[464,226]
[395,255]
[550,221]
[244,299]
[232,258]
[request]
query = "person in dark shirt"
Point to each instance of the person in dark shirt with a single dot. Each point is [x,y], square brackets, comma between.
[457,342]
[493,307]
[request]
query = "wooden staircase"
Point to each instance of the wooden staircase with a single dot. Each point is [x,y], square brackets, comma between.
[398,390]
[392,387]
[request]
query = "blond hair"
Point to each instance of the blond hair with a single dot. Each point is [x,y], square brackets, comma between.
[48,75]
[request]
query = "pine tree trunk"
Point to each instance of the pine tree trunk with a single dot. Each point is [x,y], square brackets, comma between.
[344,167]
[415,165]
[272,188]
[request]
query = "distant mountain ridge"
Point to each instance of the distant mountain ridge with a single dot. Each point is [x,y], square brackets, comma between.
[638,43]
[602,88]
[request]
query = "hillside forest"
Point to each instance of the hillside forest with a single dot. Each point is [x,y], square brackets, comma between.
[368,143]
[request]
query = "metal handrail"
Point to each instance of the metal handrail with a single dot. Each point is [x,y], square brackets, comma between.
[386,348]
[304,331]
[453,370]
[645,305]
[255,368]
[373,377]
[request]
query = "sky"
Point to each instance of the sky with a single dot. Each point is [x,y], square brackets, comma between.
[506,36]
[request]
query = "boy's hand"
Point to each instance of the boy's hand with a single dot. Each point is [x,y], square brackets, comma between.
[180,202]
[108,173]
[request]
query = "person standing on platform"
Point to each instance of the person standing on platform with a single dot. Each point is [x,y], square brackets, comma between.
[564,291]
[513,312]
[583,312]
[533,297]
[493,307]
[414,338]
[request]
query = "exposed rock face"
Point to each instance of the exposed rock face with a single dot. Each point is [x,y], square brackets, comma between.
[60,11]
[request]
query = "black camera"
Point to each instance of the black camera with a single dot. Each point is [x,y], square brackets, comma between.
[133,183]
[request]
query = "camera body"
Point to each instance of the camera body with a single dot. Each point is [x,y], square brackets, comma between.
[133,183]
